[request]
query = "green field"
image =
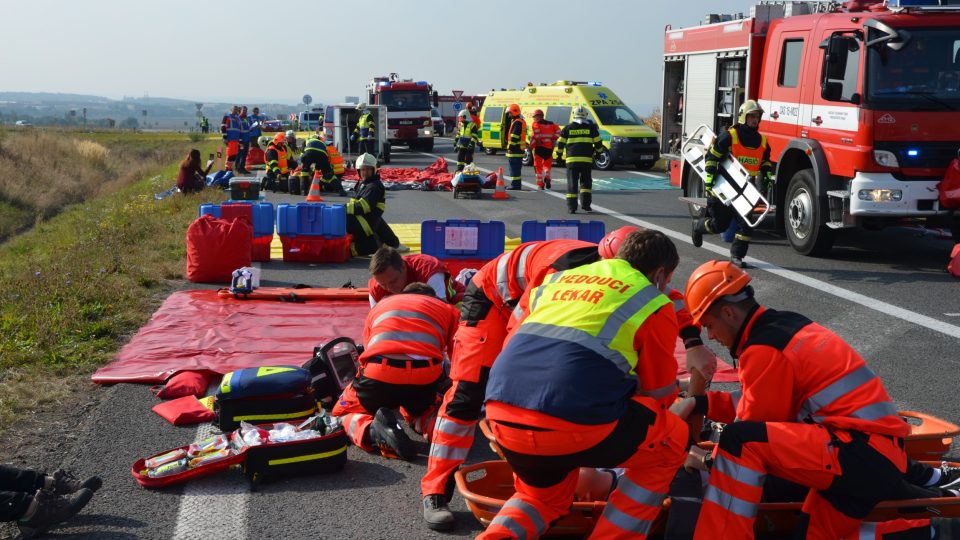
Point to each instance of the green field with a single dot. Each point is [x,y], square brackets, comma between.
[88,252]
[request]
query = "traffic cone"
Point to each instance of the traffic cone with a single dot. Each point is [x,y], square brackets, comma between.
[314,195]
[501,189]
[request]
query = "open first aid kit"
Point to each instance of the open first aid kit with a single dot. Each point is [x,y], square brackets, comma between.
[263,394]
[263,452]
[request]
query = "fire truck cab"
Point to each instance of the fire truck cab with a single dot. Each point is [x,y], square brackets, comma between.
[861,106]
[409,114]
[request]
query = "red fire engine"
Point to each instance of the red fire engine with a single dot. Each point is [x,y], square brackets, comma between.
[409,106]
[861,101]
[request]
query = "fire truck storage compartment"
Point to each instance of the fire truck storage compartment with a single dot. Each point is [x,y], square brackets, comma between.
[673,101]
[700,91]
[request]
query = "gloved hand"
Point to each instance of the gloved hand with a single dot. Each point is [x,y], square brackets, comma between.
[708,185]
[457,147]
[353,138]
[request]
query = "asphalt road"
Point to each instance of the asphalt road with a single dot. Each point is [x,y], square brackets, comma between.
[885,292]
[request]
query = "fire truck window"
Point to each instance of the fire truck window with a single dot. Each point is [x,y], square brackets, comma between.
[559,115]
[493,114]
[843,71]
[790,58]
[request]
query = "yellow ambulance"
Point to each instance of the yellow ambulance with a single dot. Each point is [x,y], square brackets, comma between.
[627,139]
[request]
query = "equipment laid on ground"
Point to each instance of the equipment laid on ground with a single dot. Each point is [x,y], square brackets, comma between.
[269,393]
[313,232]
[216,247]
[259,214]
[467,183]
[552,229]
[408,104]
[861,105]
[334,365]
[732,185]
[244,188]
[627,139]
[265,452]
[462,243]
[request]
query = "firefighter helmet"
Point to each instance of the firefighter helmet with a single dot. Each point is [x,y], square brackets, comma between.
[279,137]
[711,281]
[361,106]
[538,112]
[291,134]
[464,114]
[610,244]
[579,112]
[366,160]
[514,109]
[749,106]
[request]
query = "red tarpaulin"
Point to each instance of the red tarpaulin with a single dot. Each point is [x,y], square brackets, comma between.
[198,331]
[437,175]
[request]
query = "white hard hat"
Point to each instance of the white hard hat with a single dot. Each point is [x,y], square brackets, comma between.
[361,106]
[291,133]
[366,160]
[579,111]
[464,114]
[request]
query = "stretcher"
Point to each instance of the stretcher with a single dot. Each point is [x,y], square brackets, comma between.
[732,184]
[486,487]
[292,294]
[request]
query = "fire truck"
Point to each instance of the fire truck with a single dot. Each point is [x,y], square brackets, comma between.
[408,105]
[861,101]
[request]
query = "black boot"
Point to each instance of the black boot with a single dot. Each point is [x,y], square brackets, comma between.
[586,199]
[62,482]
[515,186]
[386,433]
[52,509]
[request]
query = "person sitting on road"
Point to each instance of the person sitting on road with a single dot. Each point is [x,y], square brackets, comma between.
[406,338]
[191,177]
[37,501]
[390,273]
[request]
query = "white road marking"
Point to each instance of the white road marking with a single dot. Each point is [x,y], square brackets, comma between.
[650,175]
[213,507]
[822,286]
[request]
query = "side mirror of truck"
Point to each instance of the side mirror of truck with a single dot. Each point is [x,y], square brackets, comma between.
[831,91]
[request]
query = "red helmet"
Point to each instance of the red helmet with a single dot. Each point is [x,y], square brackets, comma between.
[710,281]
[610,244]
[279,137]
[538,112]
[514,109]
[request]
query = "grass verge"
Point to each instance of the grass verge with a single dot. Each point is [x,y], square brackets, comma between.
[76,285]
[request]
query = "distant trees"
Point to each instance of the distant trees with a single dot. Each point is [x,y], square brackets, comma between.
[129,123]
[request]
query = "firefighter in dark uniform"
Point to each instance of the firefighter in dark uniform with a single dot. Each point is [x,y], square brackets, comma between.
[581,140]
[744,142]
[315,158]
[366,131]
[365,211]
[466,139]
[516,146]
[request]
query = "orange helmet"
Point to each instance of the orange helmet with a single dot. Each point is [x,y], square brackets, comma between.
[279,137]
[538,112]
[610,244]
[514,109]
[710,281]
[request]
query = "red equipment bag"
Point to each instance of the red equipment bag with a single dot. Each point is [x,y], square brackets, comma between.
[216,247]
[949,187]
[183,411]
[184,383]
[954,265]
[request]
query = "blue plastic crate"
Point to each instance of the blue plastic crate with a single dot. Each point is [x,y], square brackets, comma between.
[462,238]
[262,215]
[312,219]
[591,231]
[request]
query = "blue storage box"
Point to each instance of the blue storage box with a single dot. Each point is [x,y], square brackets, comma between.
[462,238]
[591,231]
[312,219]
[262,215]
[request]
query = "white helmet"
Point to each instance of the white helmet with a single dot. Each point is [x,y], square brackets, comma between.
[366,160]
[291,134]
[361,106]
[579,112]
[464,114]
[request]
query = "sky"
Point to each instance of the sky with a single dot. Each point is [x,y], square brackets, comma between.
[275,52]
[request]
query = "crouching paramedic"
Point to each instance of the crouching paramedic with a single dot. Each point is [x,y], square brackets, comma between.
[277,166]
[405,339]
[316,161]
[585,381]
[390,273]
[484,313]
[810,411]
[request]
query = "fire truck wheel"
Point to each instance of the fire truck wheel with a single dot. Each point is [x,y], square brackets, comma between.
[805,221]
[603,161]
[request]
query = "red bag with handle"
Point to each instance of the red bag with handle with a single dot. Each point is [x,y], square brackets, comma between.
[217,247]
[949,187]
